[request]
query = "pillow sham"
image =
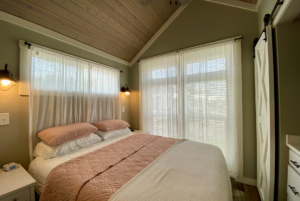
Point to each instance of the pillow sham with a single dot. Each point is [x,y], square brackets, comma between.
[113,124]
[105,135]
[47,151]
[61,134]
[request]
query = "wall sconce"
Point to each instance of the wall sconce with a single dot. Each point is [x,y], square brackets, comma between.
[6,80]
[126,90]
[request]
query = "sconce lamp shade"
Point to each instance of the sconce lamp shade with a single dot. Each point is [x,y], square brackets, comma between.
[6,79]
[6,75]
[126,90]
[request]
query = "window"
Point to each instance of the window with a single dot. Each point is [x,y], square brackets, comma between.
[195,94]
[65,90]
[206,67]
[53,72]
[163,73]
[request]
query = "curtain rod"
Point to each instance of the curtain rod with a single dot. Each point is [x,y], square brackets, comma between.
[206,44]
[30,44]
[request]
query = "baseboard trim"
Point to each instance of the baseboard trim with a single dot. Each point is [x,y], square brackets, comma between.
[246,180]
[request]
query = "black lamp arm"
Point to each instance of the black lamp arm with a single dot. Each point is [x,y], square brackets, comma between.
[125,88]
[5,74]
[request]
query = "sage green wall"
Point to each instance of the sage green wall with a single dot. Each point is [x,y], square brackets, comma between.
[14,137]
[266,7]
[203,22]
[288,72]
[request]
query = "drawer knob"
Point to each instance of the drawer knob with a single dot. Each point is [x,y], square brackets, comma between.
[294,190]
[295,164]
[15,199]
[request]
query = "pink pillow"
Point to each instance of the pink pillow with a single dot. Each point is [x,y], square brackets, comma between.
[109,125]
[61,134]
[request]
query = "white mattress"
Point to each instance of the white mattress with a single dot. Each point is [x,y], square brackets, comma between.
[187,171]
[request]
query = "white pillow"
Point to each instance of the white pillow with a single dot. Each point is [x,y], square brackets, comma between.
[105,135]
[48,151]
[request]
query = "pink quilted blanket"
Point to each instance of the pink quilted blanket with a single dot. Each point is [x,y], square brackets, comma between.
[99,174]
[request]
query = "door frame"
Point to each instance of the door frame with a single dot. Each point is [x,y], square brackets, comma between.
[266,39]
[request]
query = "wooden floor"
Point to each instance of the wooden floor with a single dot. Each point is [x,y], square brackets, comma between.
[244,192]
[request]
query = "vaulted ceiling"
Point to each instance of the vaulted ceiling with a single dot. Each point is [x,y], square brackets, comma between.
[118,27]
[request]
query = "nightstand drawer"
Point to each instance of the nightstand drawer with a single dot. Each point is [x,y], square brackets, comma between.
[22,195]
[289,198]
[293,185]
[294,161]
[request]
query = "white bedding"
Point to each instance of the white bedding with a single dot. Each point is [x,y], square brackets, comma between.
[40,168]
[187,171]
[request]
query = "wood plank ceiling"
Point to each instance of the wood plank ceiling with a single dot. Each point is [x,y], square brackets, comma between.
[249,1]
[118,27]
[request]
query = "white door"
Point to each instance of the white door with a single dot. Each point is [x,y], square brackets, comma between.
[265,119]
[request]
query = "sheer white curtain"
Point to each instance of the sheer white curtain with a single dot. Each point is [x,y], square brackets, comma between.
[159,93]
[207,103]
[65,89]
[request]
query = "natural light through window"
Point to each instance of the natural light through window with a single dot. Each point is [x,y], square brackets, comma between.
[162,73]
[195,94]
[206,67]
[72,76]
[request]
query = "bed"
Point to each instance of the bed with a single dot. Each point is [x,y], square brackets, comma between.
[186,170]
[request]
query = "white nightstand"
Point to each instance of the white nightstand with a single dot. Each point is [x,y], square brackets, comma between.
[139,131]
[16,185]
